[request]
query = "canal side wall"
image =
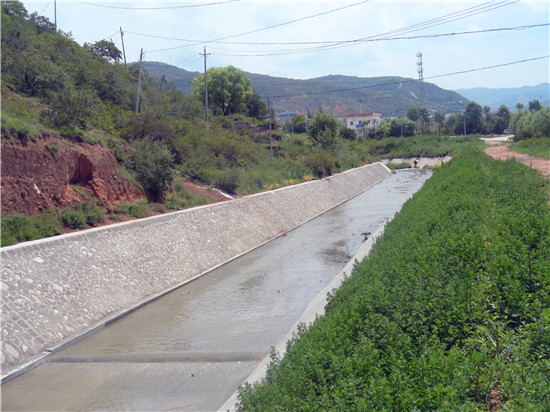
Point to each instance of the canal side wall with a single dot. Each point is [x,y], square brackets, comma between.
[57,289]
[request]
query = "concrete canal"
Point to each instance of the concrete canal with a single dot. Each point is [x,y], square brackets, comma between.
[191,349]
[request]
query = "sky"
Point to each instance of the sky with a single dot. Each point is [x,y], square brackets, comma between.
[460,42]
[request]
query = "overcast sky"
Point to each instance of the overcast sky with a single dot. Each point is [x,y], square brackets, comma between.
[319,38]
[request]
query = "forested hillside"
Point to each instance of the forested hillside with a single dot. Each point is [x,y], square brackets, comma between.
[388,95]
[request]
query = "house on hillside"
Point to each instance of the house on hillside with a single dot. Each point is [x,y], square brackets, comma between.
[362,123]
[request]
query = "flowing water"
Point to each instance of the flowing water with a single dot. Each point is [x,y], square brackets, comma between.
[192,348]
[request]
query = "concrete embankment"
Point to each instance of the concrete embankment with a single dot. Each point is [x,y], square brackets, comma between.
[55,290]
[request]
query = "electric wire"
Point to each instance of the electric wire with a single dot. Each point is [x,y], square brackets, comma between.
[461,14]
[349,43]
[198,42]
[42,12]
[159,8]
[402,81]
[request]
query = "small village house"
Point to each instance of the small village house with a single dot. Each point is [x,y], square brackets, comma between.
[363,123]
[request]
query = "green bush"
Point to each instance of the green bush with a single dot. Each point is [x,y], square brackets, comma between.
[322,163]
[152,163]
[82,215]
[134,209]
[18,227]
[451,310]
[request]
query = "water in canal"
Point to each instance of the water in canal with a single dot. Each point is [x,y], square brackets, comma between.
[192,348]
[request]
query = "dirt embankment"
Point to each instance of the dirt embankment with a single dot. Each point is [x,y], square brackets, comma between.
[501,151]
[52,173]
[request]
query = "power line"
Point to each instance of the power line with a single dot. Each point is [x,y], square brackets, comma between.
[353,42]
[401,81]
[159,8]
[336,42]
[197,42]
[461,14]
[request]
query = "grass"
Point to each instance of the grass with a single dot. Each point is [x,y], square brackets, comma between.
[451,311]
[538,147]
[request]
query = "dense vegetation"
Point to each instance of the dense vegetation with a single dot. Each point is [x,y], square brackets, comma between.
[451,311]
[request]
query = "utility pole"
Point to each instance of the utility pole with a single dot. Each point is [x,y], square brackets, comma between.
[270,136]
[55,14]
[205,86]
[139,81]
[123,51]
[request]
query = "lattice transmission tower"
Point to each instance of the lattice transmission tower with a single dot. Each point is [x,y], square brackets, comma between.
[421,78]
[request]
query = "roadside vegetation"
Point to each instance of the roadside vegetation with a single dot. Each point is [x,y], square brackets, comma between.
[451,311]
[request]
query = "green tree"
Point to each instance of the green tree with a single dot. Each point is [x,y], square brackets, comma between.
[255,107]
[152,163]
[106,49]
[413,114]
[519,106]
[525,125]
[502,119]
[439,119]
[42,23]
[228,89]
[299,123]
[324,132]
[534,105]
[473,114]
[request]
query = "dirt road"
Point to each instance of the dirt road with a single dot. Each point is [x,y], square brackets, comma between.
[499,150]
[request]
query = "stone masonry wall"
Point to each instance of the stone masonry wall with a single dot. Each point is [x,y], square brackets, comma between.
[56,289]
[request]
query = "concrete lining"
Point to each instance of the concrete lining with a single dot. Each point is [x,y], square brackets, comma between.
[58,289]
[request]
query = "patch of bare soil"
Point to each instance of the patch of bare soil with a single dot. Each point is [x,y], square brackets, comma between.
[501,151]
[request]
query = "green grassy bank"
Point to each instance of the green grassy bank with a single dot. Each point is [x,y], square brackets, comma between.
[451,311]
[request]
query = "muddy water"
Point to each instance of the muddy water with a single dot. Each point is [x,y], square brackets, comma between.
[192,348]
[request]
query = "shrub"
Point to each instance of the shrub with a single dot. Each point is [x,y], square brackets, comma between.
[134,209]
[322,163]
[152,163]
[82,215]
[18,227]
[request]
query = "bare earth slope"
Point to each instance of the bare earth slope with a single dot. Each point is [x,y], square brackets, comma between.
[52,172]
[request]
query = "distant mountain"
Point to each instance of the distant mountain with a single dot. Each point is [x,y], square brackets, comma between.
[494,98]
[342,95]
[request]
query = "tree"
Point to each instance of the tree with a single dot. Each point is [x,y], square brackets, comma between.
[228,89]
[255,107]
[473,114]
[502,119]
[439,119]
[534,105]
[106,49]
[519,106]
[42,23]
[324,131]
[525,125]
[299,123]
[413,114]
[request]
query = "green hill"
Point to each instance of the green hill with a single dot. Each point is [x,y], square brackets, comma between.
[389,95]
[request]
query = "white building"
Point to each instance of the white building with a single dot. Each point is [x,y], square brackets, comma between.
[363,123]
